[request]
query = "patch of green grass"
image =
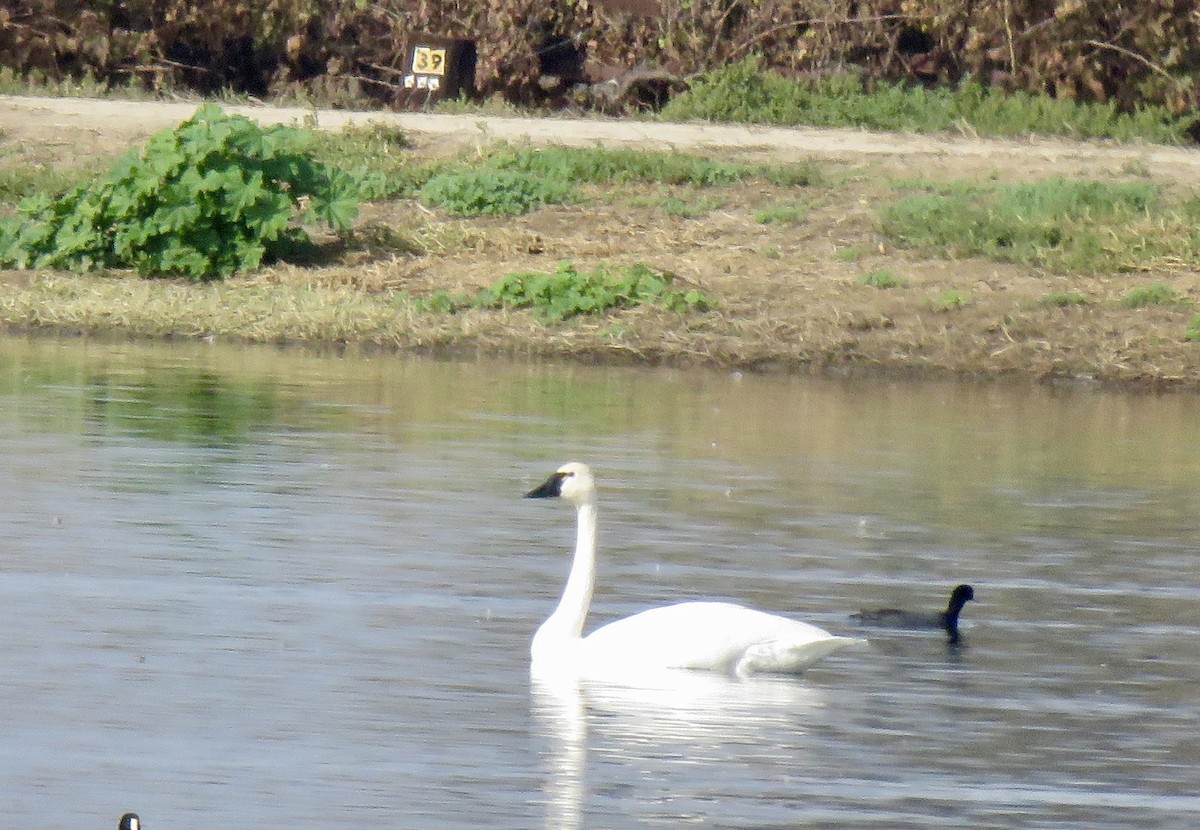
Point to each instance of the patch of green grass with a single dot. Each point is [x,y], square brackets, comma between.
[882,278]
[781,214]
[567,292]
[950,300]
[619,165]
[22,180]
[1153,294]
[1064,225]
[625,165]
[1064,299]
[745,92]
[377,158]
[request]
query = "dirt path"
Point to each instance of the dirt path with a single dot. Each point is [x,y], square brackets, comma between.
[121,123]
[791,296]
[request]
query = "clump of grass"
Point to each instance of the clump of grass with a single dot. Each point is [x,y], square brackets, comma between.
[1064,225]
[1065,299]
[782,214]
[1153,294]
[745,92]
[950,300]
[882,279]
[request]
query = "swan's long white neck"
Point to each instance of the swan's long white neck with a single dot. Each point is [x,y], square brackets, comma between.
[565,626]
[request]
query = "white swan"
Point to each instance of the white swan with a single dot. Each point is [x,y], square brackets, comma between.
[714,636]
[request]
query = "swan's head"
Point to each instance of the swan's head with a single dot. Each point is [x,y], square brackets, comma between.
[572,482]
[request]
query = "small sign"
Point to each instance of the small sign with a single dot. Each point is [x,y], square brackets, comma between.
[438,69]
[429,61]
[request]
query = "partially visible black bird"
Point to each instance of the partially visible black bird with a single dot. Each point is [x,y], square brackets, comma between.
[945,620]
[130,821]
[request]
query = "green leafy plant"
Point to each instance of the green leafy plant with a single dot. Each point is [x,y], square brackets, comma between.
[216,195]
[475,192]
[567,292]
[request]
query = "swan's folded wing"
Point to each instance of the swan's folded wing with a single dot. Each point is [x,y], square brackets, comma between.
[714,636]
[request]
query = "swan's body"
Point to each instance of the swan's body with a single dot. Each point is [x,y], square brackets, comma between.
[714,636]
[945,620]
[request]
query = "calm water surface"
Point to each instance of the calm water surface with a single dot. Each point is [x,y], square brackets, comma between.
[292,590]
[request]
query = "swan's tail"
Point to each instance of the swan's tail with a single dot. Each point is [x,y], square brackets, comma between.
[784,657]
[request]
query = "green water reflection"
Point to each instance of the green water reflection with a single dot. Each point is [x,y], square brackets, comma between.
[990,457]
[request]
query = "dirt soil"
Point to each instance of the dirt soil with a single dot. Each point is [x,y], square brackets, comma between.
[788,292]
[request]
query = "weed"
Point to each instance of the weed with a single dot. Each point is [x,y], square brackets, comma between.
[567,292]
[443,302]
[1153,294]
[213,196]
[882,279]
[950,300]
[781,215]
[496,192]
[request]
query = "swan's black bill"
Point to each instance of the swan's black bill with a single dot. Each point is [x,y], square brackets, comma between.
[550,489]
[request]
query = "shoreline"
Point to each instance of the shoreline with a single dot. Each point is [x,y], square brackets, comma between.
[788,297]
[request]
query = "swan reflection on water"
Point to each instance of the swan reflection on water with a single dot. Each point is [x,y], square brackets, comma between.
[691,717]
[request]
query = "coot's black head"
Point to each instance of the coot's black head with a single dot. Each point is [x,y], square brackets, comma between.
[961,595]
[130,821]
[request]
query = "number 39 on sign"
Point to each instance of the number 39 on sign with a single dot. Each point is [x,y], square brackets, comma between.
[429,61]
